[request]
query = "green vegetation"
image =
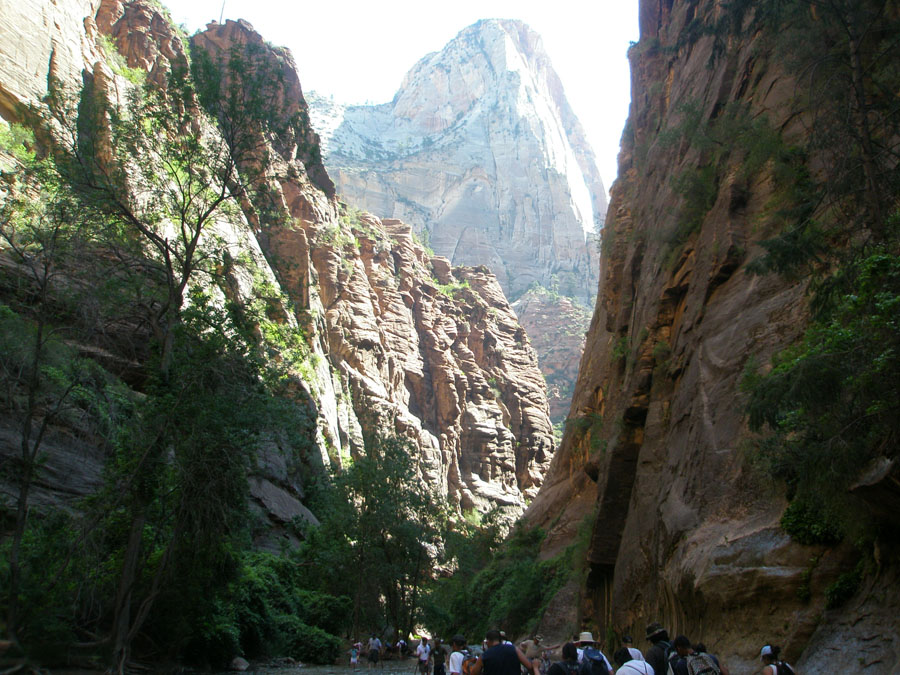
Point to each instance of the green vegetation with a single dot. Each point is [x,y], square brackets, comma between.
[180,386]
[380,525]
[423,239]
[118,63]
[18,141]
[518,584]
[844,588]
[621,347]
[454,288]
[829,403]
[828,407]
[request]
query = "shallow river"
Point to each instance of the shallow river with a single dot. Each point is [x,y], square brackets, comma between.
[406,667]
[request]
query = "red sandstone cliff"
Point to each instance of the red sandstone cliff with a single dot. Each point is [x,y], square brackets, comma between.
[683,531]
[399,342]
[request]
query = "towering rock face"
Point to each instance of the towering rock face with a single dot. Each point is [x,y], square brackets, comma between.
[683,531]
[400,342]
[480,148]
[556,326]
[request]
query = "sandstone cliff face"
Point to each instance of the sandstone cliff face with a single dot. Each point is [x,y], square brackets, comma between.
[556,328]
[682,530]
[399,341]
[480,148]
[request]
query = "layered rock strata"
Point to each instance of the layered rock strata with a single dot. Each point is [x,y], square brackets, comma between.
[479,148]
[556,327]
[399,341]
[683,531]
[480,151]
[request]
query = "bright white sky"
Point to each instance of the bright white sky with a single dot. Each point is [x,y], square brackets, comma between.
[358,51]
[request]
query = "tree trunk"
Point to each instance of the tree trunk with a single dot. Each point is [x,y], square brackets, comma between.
[29,454]
[864,129]
[121,628]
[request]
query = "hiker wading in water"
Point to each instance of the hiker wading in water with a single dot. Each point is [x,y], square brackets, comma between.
[502,659]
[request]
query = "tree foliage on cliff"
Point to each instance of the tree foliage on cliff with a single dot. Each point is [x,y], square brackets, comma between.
[111,250]
[830,404]
[381,537]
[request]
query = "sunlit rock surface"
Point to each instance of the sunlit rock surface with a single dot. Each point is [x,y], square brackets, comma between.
[480,148]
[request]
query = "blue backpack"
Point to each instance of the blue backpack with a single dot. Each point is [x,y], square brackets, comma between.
[594,662]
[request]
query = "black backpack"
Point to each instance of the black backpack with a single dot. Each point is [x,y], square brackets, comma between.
[565,667]
[781,668]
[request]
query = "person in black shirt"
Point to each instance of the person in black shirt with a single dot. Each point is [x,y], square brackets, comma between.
[569,665]
[502,659]
[656,655]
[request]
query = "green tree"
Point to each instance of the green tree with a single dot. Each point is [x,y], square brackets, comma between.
[380,537]
[159,179]
[829,405]
[42,378]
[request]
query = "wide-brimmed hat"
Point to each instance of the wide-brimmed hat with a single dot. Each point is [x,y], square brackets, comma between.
[585,637]
[654,629]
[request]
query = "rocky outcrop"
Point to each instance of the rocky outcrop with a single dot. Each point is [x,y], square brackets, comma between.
[683,531]
[42,40]
[424,350]
[479,148]
[397,341]
[556,326]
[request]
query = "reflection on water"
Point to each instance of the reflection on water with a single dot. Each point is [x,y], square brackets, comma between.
[398,667]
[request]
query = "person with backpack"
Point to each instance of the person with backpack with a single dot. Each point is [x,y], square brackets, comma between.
[660,651]
[500,658]
[423,656]
[593,661]
[773,665]
[700,648]
[677,663]
[458,654]
[629,665]
[686,662]
[628,643]
[569,664]
[439,656]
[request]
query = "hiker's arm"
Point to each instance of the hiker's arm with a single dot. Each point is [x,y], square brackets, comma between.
[525,661]
[476,669]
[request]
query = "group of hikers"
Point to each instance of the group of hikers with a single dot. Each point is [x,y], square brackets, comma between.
[581,656]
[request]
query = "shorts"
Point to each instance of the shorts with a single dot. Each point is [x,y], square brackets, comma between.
[373,655]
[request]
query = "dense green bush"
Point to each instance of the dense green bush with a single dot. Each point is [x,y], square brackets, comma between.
[497,584]
[829,406]
[266,612]
[844,588]
[308,643]
[807,524]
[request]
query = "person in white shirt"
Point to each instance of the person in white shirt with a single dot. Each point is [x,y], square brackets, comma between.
[630,666]
[636,654]
[586,642]
[423,656]
[374,648]
[458,655]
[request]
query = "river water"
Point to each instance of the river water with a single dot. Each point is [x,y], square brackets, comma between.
[398,667]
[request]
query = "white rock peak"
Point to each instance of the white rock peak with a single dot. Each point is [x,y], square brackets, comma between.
[480,148]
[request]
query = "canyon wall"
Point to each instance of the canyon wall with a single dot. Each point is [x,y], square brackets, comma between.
[683,530]
[399,341]
[479,148]
[481,153]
